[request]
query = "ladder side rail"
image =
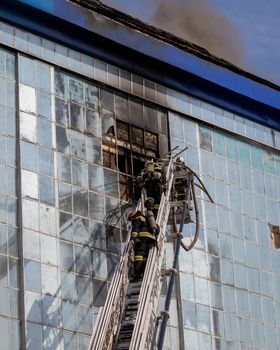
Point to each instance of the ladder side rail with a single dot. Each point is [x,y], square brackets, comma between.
[101,328]
[155,263]
[96,322]
[150,283]
[113,302]
[109,317]
[153,253]
[152,295]
[164,198]
[117,308]
[156,296]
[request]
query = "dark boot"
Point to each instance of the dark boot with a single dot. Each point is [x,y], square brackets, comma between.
[138,271]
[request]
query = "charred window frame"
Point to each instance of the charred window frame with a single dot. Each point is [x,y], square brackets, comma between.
[126,148]
[131,134]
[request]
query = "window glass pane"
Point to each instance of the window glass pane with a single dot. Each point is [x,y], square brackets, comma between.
[218,143]
[80,202]
[96,178]
[61,84]
[10,65]
[150,115]
[29,156]
[93,150]
[96,206]
[65,197]
[3,239]
[77,117]
[61,112]
[69,316]
[32,273]
[44,104]
[99,292]
[205,139]
[45,161]
[107,102]
[151,140]
[108,127]
[63,168]
[66,226]
[76,92]
[13,241]
[44,132]
[78,145]
[91,96]
[111,183]
[80,173]
[26,70]
[93,122]
[137,136]
[62,140]
[97,232]
[46,193]
[83,260]
[84,289]
[11,151]
[80,230]
[162,121]
[66,256]
[244,152]
[121,107]
[43,76]
[122,131]
[136,113]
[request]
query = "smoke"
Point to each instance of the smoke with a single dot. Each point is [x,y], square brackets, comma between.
[195,21]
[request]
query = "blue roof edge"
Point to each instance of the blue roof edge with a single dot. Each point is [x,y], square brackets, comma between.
[145,55]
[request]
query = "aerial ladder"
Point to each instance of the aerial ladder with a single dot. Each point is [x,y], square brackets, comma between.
[129,318]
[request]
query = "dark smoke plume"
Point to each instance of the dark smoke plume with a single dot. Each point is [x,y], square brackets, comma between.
[195,21]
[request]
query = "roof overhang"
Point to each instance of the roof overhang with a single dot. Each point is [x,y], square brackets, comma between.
[107,39]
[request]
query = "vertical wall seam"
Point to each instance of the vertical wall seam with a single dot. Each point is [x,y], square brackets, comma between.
[19,214]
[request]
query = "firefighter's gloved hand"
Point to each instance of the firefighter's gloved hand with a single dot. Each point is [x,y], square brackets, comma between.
[149,203]
[157,230]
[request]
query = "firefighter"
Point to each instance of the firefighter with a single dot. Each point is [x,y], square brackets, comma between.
[154,180]
[143,238]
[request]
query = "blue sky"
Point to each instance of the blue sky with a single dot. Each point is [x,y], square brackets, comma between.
[257,23]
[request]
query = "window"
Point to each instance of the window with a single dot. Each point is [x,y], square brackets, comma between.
[126,148]
[275,235]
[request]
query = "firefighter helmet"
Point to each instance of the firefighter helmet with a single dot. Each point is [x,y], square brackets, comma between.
[131,214]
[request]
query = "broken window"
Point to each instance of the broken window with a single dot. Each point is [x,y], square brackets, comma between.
[109,155]
[122,131]
[137,136]
[126,144]
[151,141]
[125,183]
[275,235]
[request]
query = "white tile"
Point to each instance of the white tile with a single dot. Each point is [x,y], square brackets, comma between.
[27,99]
[48,249]
[28,127]
[47,219]
[31,245]
[30,214]
[29,182]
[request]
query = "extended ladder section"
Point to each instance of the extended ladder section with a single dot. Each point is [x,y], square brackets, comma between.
[127,320]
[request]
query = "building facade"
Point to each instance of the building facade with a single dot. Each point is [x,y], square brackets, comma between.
[78,119]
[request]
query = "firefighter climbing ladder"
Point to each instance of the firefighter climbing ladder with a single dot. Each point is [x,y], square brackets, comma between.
[128,320]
